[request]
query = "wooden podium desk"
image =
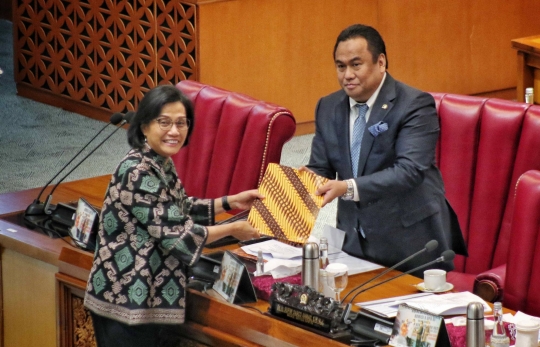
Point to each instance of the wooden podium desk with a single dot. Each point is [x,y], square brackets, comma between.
[528,74]
[43,281]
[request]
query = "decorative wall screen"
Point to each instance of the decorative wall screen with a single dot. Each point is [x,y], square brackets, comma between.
[105,53]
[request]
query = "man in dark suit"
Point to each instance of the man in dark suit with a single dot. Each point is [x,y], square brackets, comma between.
[380,157]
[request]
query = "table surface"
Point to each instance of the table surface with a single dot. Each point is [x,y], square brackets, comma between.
[529,44]
[14,235]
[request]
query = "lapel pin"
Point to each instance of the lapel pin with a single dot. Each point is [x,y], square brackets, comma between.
[384,106]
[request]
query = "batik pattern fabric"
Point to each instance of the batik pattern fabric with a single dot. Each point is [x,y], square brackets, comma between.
[290,207]
[149,231]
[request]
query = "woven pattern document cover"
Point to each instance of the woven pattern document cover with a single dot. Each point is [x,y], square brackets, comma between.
[290,207]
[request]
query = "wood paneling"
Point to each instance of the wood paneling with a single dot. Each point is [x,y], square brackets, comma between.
[28,297]
[281,50]
[276,50]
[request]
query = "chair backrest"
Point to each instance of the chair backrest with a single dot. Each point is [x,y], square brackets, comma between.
[234,139]
[522,283]
[484,146]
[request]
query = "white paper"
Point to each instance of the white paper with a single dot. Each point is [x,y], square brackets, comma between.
[355,265]
[335,237]
[388,307]
[275,248]
[447,304]
[280,268]
[520,316]
[443,304]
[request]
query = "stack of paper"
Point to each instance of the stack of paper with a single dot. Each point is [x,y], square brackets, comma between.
[443,304]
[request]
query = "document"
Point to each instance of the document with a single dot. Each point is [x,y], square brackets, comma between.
[273,249]
[442,304]
[335,238]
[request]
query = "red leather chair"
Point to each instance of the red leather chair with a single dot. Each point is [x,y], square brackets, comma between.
[234,139]
[522,284]
[484,146]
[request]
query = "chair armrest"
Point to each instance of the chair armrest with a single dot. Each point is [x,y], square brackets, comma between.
[489,285]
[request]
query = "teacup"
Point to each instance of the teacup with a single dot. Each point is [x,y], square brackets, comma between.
[434,279]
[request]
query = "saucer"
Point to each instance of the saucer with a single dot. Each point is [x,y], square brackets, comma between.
[448,286]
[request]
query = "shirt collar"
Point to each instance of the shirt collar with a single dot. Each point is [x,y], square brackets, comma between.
[371,101]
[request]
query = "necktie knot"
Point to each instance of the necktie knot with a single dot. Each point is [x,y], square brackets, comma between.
[362,110]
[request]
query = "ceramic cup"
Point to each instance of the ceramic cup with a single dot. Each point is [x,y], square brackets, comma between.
[434,279]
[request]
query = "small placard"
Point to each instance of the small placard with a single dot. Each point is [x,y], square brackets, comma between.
[417,328]
[229,279]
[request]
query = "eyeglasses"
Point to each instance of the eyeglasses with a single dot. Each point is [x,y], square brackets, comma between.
[166,123]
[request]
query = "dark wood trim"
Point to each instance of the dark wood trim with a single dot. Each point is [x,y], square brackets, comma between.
[74,321]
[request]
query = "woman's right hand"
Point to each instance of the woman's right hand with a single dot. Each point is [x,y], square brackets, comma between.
[242,230]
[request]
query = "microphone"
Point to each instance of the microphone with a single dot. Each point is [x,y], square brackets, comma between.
[36,207]
[446,256]
[126,119]
[430,246]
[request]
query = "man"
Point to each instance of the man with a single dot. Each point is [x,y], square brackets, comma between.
[391,194]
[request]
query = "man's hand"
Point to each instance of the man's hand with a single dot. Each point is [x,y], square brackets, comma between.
[331,190]
[305,169]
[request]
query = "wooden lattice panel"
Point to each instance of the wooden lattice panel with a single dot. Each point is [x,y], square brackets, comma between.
[102,52]
[290,207]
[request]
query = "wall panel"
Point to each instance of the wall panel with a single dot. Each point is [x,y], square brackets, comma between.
[280,50]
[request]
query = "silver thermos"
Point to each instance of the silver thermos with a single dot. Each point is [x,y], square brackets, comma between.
[310,265]
[475,325]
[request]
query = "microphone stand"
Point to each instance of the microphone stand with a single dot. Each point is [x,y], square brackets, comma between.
[446,256]
[38,208]
[430,246]
[40,215]
[49,208]
[364,322]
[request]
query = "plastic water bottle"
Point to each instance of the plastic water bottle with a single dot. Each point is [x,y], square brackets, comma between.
[498,338]
[529,95]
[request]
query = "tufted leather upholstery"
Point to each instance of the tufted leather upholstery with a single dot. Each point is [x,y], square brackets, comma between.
[523,267]
[234,139]
[484,146]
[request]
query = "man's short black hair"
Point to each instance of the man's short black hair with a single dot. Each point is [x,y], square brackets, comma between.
[374,40]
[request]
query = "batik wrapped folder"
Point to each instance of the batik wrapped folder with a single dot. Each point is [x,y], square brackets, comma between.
[290,207]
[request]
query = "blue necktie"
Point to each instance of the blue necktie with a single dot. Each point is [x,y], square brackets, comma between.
[358,133]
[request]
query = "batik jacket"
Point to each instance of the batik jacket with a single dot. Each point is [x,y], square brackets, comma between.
[149,231]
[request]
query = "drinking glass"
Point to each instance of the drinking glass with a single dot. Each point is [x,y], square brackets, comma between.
[337,277]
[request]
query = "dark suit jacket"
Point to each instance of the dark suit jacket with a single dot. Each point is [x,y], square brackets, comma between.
[402,204]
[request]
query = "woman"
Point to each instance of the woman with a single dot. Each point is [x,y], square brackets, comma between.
[150,230]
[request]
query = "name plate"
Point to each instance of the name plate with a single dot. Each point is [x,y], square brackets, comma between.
[414,327]
[304,306]
[300,316]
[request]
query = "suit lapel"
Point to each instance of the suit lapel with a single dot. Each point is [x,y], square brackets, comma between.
[382,106]
[342,110]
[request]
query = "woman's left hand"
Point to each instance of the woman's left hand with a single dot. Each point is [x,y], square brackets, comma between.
[244,200]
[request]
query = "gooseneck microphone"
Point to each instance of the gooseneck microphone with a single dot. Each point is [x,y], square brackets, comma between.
[36,207]
[429,247]
[126,119]
[446,256]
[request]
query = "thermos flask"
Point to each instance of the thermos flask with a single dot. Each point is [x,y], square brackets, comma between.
[475,325]
[310,265]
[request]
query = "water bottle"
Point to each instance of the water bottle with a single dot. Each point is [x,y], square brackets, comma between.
[323,250]
[529,95]
[498,338]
